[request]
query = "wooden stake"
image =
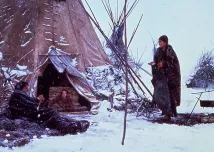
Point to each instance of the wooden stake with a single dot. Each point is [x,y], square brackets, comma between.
[126,68]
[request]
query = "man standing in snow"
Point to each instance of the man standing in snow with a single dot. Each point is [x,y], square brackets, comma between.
[166,78]
[22,105]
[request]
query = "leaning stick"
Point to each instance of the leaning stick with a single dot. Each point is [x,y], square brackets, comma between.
[126,68]
[135,30]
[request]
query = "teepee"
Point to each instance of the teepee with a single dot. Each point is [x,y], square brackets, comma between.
[35,33]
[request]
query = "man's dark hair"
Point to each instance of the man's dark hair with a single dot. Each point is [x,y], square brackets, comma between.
[164,38]
[21,85]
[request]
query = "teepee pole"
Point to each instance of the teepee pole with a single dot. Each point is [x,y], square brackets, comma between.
[135,30]
[115,50]
[126,68]
[94,20]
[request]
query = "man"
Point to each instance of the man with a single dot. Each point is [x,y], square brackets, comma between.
[166,78]
[22,105]
[63,102]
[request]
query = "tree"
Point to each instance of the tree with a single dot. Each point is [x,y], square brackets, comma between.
[203,75]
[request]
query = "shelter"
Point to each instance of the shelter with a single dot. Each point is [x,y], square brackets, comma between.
[29,28]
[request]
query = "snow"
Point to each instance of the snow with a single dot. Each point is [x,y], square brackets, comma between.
[28,32]
[5,141]
[27,26]
[47,25]
[21,67]
[7,27]
[19,73]
[63,44]
[2,16]
[74,62]
[105,134]
[62,39]
[1,56]
[47,18]
[26,43]
[35,137]
[25,12]
[48,33]
[108,51]
[49,40]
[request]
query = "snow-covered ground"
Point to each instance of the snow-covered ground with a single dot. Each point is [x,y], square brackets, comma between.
[106,129]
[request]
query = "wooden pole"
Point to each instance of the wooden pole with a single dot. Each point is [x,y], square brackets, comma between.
[126,68]
[194,107]
[115,50]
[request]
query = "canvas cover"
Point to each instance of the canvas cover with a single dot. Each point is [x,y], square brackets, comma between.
[62,62]
[30,27]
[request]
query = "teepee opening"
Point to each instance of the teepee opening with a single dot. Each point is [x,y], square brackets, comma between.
[51,83]
[51,78]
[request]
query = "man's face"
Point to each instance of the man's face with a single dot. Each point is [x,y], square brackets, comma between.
[162,44]
[26,89]
[64,94]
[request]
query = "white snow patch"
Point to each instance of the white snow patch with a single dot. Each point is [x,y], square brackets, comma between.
[5,141]
[47,18]
[35,137]
[8,135]
[6,6]
[108,51]
[7,26]
[49,40]
[24,12]
[63,44]
[28,32]
[1,56]
[47,25]
[19,73]
[21,67]
[48,33]
[27,26]
[106,130]
[26,43]
[2,15]
[10,20]
[44,136]
[62,39]
[74,62]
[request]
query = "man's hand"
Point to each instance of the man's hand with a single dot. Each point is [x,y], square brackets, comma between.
[151,63]
[41,99]
[160,65]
